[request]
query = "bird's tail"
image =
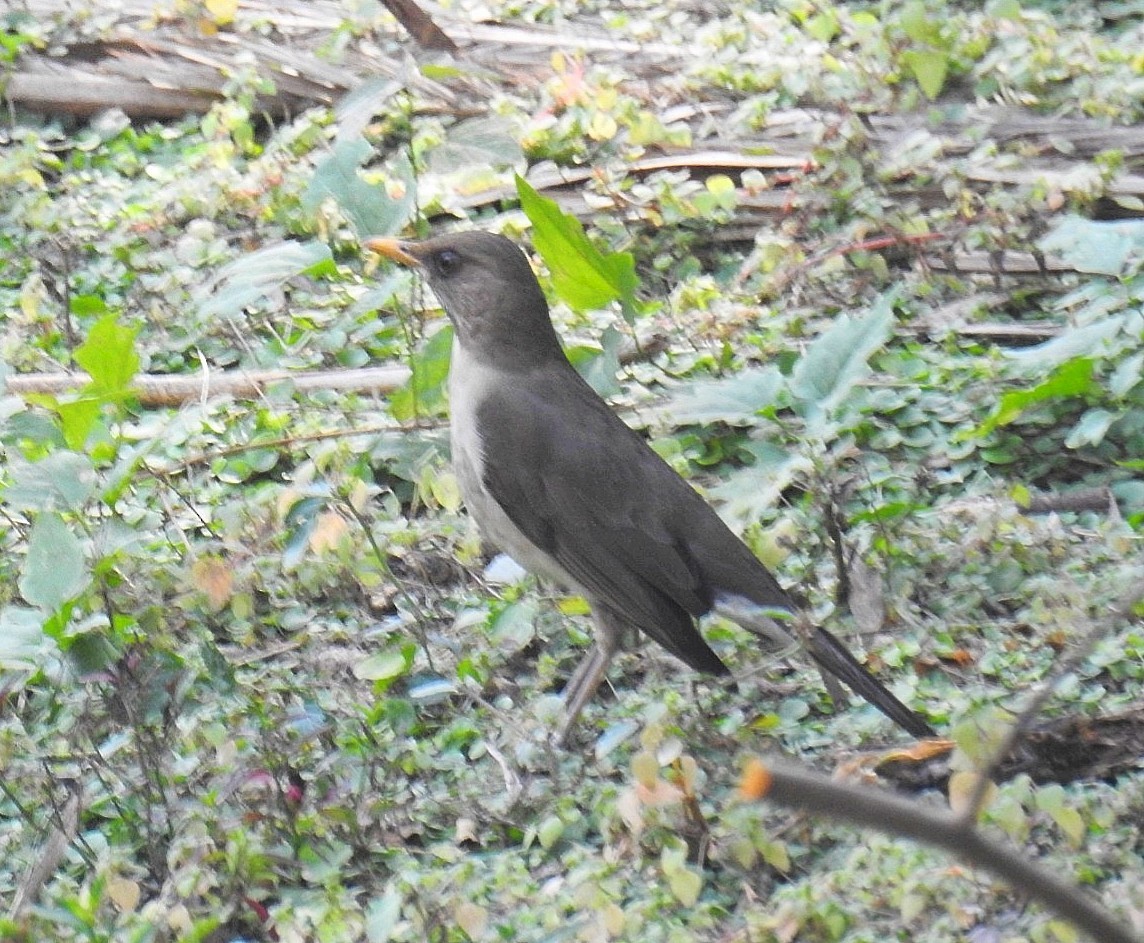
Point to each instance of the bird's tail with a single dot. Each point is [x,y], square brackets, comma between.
[836,658]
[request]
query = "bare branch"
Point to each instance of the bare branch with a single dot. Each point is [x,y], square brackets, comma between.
[793,785]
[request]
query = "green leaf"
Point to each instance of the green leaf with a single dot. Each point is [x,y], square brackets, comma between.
[79,416]
[1099,247]
[62,480]
[599,365]
[1073,378]
[733,399]
[108,355]
[823,27]
[383,666]
[355,110]
[515,625]
[89,652]
[423,394]
[381,916]
[54,569]
[776,855]
[920,25]
[440,73]
[256,275]
[1052,799]
[475,144]
[23,644]
[87,306]
[1004,9]
[929,68]
[1125,377]
[836,362]
[685,883]
[745,495]
[1063,931]
[582,276]
[368,207]
[549,831]
[1091,428]
[1078,342]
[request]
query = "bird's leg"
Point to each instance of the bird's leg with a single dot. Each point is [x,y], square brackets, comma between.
[591,670]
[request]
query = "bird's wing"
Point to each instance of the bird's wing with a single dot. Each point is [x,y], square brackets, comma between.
[586,490]
[632,533]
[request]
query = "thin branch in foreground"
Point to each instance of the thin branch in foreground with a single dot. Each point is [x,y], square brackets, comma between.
[794,786]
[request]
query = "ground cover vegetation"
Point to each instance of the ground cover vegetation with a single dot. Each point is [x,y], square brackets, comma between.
[869,274]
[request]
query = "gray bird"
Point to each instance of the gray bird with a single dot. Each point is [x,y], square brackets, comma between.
[556,480]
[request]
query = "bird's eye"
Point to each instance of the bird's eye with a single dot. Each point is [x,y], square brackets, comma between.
[447,262]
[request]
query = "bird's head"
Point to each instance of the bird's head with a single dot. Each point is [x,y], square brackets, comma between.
[488,290]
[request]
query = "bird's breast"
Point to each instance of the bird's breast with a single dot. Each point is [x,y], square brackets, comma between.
[470,382]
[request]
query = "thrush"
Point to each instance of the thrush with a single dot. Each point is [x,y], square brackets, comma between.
[555,479]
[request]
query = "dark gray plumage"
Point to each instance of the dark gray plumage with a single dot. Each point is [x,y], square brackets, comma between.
[559,482]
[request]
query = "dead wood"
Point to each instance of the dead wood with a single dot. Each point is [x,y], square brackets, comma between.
[174,390]
[160,390]
[1062,750]
[420,25]
[167,67]
[1081,499]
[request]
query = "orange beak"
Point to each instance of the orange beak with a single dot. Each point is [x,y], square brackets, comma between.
[393,249]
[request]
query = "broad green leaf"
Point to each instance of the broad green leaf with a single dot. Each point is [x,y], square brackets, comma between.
[582,276]
[1100,247]
[599,365]
[381,916]
[733,399]
[1062,930]
[300,522]
[477,143]
[549,831]
[929,68]
[776,855]
[1053,800]
[685,883]
[1091,428]
[54,569]
[424,393]
[1004,9]
[750,491]
[1008,812]
[371,208]
[23,644]
[1127,374]
[356,108]
[34,426]
[79,417]
[1076,343]
[88,306]
[1073,378]
[89,652]
[823,27]
[62,480]
[515,625]
[836,361]
[383,666]
[919,24]
[108,355]
[255,276]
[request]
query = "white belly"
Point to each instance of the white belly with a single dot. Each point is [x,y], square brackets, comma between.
[468,385]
